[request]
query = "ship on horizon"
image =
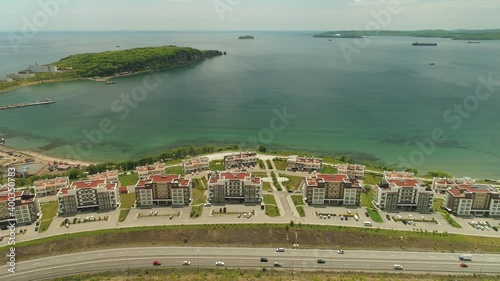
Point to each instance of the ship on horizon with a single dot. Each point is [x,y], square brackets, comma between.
[424,44]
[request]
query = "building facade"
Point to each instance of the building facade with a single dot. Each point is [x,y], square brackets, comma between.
[195,165]
[80,196]
[321,189]
[238,160]
[440,185]
[144,172]
[26,208]
[50,186]
[109,176]
[296,163]
[234,187]
[401,191]
[477,200]
[163,190]
[354,171]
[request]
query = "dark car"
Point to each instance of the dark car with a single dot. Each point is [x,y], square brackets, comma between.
[263,259]
[321,261]
[367,215]
[388,217]
[156,263]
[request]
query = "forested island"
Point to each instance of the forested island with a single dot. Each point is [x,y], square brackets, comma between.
[459,34]
[133,60]
[246,37]
[113,63]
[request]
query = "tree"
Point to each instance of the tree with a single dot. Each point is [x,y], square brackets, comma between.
[292,223]
[262,149]
[412,170]
[73,174]
[92,169]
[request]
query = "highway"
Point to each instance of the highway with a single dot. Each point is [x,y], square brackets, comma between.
[204,257]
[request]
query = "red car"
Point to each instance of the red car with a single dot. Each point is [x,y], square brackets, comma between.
[463,265]
[156,263]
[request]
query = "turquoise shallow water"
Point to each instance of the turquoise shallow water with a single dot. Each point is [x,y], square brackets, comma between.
[378,106]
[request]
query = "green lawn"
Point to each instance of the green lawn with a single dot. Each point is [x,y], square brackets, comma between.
[325,169]
[198,196]
[261,164]
[374,215]
[298,200]
[366,199]
[293,181]
[216,165]
[175,170]
[266,186]
[260,174]
[272,211]
[280,163]
[126,180]
[196,211]
[123,214]
[127,200]
[269,199]
[372,178]
[49,211]
[301,211]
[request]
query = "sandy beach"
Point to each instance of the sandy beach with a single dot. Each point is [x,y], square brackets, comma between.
[39,157]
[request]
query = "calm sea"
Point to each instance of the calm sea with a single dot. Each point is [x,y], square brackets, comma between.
[385,104]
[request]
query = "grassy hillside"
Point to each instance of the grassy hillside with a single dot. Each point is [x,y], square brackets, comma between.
[486,34]
[133,60]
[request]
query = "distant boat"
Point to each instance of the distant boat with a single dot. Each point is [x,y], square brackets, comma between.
[424,44]
[473,42]
[117,46]
[329,39]
[110,82]
[431,63]
[2,141]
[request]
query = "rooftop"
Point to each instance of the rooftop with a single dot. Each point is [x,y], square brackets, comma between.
[351,167]
[87,184]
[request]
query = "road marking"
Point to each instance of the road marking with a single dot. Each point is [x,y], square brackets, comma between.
[36,263]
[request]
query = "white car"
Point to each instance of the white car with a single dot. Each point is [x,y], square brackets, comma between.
[186,263]
[219,263]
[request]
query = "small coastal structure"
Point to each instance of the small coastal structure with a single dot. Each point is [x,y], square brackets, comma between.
[296,163]
[6,79]
[353,171]
[42,68]
[246,37]
[20,76]
[234,187]
[163,190]
[337,189]
[195,165]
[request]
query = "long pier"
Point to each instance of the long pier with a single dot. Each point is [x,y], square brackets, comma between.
[17,105]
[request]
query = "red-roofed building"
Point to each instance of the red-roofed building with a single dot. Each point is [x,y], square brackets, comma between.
[26,208]
[440,185]
[144,172]
[241,159]
[401,191]
[240,187]
[50,186]
[296,163]
[320,189]
[163,190]
[465,199]
[93,195]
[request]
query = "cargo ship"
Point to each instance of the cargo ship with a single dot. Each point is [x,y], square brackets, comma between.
[424,44]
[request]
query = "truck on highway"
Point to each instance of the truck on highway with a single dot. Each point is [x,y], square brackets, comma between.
[465,257]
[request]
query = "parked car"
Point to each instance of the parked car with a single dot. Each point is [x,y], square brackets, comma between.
[186,263]
[277,264]
[280,249]
[321,261]
[367,215]
[219,263]
[171,216]
[263,260]
[156,263]
[388,217]
[398,267]
[340,251]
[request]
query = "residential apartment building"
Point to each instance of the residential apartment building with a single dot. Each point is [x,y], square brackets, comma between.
[440,185]
[96,195]
[401,191]
[296,163]
[109,176]
[26,208]
[477,200]
[194,165]
[354,171]
[237,160]
[237,187]
[320,189]
[163,190]
[50,186]
[144,172]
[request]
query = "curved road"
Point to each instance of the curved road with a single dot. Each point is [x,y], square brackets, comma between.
[291,259]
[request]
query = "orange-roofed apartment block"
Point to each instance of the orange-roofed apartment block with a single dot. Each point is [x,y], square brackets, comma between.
[320,189]
[96,195]
[478,200]
[401,191]
[234,187]
[163,190]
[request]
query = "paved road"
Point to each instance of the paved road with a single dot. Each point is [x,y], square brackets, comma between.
[291,259]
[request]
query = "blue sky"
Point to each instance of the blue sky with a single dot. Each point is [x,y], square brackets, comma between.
[16,15]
